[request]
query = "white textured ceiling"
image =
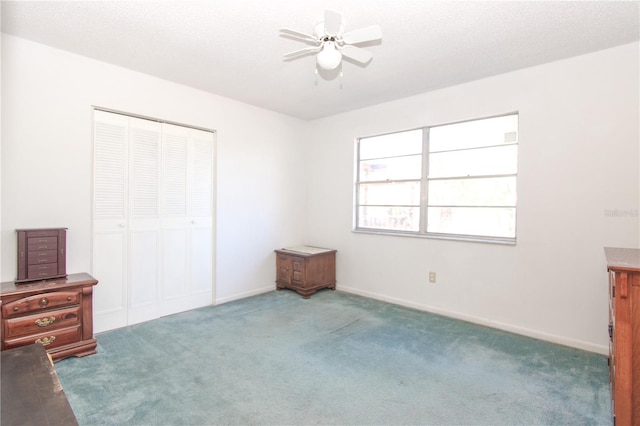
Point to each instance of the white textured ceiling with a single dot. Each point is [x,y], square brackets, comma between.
[233,48]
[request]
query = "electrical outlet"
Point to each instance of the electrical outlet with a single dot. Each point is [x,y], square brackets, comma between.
[432,277]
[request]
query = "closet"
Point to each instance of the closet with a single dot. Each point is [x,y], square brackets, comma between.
[153,214]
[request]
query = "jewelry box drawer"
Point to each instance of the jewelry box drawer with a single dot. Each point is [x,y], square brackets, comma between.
[49,256]
[52,339]
[35,234]
[44,322]
[42,271]
[39,302]
[38,244]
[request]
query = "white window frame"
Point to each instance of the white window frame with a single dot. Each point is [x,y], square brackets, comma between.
[424,185]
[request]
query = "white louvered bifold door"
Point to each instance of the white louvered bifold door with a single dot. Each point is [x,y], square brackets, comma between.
[110,152]
[187,218]
[144,219]
[157,188]
[175,142]
[200,207]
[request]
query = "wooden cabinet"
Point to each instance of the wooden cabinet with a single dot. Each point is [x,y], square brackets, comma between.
[305,269]
[42,254]
[56,313]
[624,332]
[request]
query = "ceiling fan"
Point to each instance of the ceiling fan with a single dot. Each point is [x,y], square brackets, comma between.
[331,43]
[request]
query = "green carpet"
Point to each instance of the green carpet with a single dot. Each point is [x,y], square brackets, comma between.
[336,358]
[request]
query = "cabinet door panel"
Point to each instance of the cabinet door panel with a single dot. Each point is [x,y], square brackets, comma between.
[284,269]
[297,266]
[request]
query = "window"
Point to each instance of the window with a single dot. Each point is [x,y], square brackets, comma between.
[450,181]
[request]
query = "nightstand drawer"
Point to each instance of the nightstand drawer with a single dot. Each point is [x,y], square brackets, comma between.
[49,340]
[43,322]
[40,302]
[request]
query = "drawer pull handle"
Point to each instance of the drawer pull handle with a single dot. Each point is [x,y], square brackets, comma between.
[15,309]
[68,298]
[44,322]
[44,302]
[46,340]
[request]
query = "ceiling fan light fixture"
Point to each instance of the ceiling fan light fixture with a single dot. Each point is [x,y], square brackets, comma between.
[331,43]
[329,58]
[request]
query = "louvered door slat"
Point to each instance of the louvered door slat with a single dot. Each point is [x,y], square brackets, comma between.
[145,167]
[200,197]
[174,170]
[109,169]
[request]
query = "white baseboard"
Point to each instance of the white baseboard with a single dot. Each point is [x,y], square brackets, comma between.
[561,340]
[243,295]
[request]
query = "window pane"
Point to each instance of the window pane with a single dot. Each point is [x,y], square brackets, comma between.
[473,134]
[500,191]
[474,162]
[391,145]
[391,169]
[392,218]
[477,221]
[391,193]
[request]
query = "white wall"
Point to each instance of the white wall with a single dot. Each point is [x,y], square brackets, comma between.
[47,98]
[578,158]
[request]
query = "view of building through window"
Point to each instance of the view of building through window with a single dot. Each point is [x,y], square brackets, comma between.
[456,180]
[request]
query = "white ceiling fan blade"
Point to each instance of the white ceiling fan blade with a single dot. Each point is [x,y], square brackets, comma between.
[356,53]
[301,52]
[294,33]
[332,22]
[374,32]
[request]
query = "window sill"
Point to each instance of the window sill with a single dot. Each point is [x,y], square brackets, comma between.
[465,238]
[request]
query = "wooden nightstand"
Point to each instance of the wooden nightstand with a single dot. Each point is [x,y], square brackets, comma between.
[56,313]
[305,269]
